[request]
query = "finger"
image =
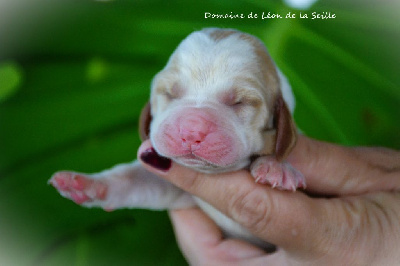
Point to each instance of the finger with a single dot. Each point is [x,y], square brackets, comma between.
[299,225]
[282,218]
[336,170]
[195,233]
[201,240]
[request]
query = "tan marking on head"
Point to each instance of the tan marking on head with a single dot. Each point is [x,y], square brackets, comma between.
[220,34]
[269,75]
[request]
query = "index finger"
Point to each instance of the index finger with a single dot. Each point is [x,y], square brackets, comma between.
[201,239]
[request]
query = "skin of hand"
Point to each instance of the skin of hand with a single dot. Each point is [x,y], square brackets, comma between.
[352,217]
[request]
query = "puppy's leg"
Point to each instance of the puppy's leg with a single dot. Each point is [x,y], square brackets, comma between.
[281,175]
[123,186]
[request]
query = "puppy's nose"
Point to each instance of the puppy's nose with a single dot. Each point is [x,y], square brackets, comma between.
[192,133]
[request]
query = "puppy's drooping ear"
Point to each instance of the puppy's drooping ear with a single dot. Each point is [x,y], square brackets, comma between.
[144,122]
[281,139]
[286,134]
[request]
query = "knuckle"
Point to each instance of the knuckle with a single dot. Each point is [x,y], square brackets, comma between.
[252,209]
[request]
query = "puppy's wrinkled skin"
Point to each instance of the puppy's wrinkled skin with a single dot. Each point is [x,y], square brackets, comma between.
[219,102]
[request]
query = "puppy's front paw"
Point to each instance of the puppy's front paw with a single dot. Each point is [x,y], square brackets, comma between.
[281,175]
[78,187]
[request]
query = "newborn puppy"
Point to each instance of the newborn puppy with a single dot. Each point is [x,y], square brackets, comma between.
[219,105]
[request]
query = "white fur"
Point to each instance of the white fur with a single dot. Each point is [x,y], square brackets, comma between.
[202,68]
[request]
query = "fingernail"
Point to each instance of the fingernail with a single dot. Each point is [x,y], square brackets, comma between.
[151,157]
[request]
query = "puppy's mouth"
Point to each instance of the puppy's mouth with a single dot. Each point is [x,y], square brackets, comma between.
[203,165]
[194,160]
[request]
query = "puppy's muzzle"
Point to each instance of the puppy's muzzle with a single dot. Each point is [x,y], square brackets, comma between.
[193,130]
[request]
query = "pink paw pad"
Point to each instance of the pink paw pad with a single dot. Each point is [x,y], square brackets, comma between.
[78,187]
[280,175]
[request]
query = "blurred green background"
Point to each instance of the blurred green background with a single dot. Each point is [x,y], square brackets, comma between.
[75,74]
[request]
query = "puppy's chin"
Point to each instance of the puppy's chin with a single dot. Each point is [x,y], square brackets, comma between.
[202,165]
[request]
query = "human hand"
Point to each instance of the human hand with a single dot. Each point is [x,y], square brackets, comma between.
[359,224]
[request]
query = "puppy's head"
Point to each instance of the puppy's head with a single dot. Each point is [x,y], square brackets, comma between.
[217,102]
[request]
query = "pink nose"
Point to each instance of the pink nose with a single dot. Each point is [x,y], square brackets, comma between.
[192,132]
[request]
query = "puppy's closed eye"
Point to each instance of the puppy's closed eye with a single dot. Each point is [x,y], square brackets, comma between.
[173,93]
[238,103]
[241,99]
[235,103]
[169,95]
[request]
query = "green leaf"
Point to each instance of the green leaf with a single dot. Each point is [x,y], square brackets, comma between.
[75,76]
[10,79]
